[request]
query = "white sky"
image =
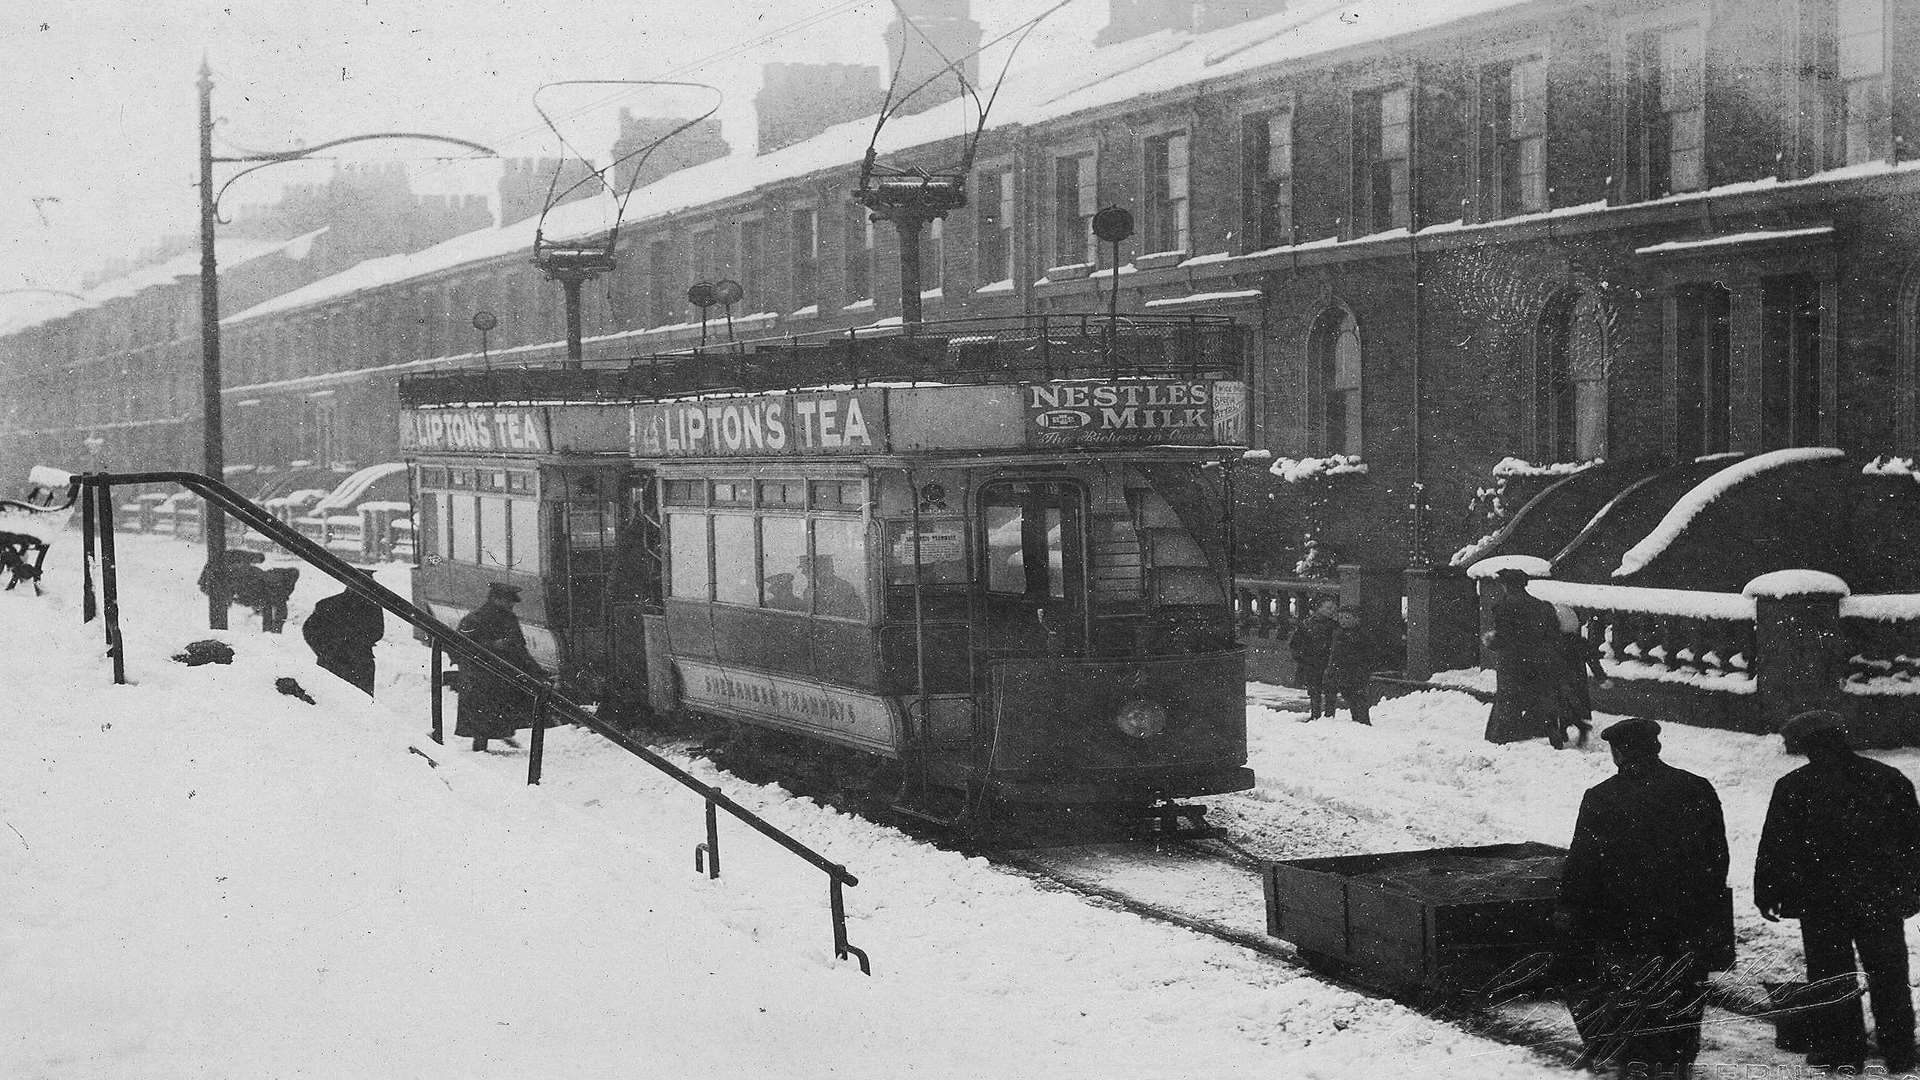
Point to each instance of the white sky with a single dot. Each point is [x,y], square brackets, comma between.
[98,111]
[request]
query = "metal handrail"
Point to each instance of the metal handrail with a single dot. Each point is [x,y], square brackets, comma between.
[97,517]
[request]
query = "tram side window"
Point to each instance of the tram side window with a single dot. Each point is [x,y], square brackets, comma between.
[734,578]
[465,530]
[837,573]
[524,521]
[442,509]
[687,554]
[493,531]
[783,547]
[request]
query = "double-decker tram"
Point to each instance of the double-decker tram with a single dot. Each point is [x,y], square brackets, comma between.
[996,555]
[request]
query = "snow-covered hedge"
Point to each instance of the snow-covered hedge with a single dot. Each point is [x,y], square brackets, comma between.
[1705,492]
[1294,470]
[1890,466]
[1513,466]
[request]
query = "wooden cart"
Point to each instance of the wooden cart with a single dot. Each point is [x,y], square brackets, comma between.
[1446,922]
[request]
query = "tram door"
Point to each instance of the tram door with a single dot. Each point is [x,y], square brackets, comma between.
[636,611]
[579,589]
[1034,548]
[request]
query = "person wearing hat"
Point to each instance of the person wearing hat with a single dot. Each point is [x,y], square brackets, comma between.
[1840,851]
[491,707]
[342,630]
[1646,881]
[1528,665]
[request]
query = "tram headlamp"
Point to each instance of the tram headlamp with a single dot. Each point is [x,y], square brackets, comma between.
[1141,718]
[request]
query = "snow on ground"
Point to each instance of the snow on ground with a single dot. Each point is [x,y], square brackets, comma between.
[206,878]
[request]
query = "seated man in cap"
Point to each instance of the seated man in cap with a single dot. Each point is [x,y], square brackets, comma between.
[1840,851]
[1645,879]
[491,707]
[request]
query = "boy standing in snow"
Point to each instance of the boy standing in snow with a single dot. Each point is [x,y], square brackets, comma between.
[1840,851]
[1349,664]
[1309,643]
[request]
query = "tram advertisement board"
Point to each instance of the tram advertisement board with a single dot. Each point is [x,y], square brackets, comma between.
[812,422]
[1131,412]
[474,430]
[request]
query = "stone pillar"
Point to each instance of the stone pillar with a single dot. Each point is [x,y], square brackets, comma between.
[1375,593]
[1443,621]
[1798,648]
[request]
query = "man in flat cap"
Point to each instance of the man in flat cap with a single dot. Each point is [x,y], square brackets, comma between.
[1646,881]
[491,707]
[1840,851]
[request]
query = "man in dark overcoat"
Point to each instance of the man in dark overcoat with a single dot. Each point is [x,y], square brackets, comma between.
[1528,665]
[491,707]
[1646,881]
[1350,657]
[1840,851]
[342,630]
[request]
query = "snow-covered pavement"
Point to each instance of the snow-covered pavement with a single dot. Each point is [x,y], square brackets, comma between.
[205,878]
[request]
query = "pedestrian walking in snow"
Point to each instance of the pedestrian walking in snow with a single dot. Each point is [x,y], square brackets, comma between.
[1312,637]
[342,631]
[1528,665]
[1579,656]
[1350,657]
[1646,880]
[1840,851]
[491,707]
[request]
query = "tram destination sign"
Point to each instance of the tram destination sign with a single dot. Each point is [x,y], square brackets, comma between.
[811,422]
[1132,412]
[497,431]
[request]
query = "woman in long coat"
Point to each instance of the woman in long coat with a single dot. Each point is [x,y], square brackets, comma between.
[1528,666]
[491,707]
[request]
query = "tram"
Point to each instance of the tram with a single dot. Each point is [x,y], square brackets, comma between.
[996,554]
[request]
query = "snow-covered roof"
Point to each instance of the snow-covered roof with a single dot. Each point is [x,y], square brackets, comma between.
[357,485]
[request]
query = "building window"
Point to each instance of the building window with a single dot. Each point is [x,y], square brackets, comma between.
[933,258]
[859,248]
[994,200]
[1513,138]
[1866,116]
[1382,147]
[1075,193]
[1790,374]
[317,430]
[1167,170]
[1334,350]
[1703,356]
[806,258]
[1667,145]
[753,265]
[660,290]
[1267,146]
[1575,339]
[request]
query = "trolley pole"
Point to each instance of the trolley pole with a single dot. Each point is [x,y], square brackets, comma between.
[910,202]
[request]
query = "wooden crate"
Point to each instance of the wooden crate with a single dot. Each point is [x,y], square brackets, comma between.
[1455,921]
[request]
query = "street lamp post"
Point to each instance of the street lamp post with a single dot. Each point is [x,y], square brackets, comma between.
[214,525]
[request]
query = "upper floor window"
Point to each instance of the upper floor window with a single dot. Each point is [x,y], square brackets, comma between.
[660,288]
[994,201]
[1790,368]
[1334,351]
[805,237]
[1382,149]
[933,257]
[1167,170]
[1867,120]
[753,265]
[1267,164]
[1513,137]
[1666,142]
[1075,193]
[859,255]
[706,259]
[1703,369]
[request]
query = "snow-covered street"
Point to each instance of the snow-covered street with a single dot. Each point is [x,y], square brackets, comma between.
[206,878]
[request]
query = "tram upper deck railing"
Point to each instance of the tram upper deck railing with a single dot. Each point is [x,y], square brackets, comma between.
[964,351]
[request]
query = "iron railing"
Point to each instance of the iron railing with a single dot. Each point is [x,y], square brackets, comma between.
[98,532]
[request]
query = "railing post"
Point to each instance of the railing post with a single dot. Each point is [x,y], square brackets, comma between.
[1443,621]
[841,950]
[437,681]
[1798,663]
[706,857]
[110,586]
[537,742]
[88,532]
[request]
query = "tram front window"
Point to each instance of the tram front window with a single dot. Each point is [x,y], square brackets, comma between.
[1034,571]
